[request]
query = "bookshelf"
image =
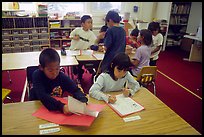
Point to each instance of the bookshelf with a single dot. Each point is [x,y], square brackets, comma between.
[60,29]
[178,22]
[24,34]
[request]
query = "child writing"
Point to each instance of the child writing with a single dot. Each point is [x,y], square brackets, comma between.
[83,37]
[142,54]
[154,27]
[114,79]
[48,81]
[114,41]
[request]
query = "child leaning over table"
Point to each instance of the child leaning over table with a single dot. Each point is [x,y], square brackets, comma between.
[48,81]
[115,79]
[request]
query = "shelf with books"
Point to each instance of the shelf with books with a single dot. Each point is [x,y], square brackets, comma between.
[178,21]
[21,34]
[60,29]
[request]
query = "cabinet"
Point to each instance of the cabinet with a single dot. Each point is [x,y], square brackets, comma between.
[60,29]
[178,22]
[22,34]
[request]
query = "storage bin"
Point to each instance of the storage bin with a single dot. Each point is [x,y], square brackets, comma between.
[36,48]
[35,43]
[17,49]
[6,44]
[16,32]
[26,49]
[6,32]
[6,38]
[34,31]
[7,49]
[35,36]
[43,36]
[44,31]
[54,24]
[25,31]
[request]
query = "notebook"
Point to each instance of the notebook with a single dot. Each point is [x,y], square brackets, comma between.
[125,106]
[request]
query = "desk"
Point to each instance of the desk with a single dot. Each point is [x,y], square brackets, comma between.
[196,48]
[15,61]
[157,118]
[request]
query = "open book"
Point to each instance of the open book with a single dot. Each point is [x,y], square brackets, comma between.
[125,105]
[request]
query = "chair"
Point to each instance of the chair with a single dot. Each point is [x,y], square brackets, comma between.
[5,93]
[147,76]
[98,72]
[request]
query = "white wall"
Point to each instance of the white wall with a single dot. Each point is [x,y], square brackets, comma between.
[195,17]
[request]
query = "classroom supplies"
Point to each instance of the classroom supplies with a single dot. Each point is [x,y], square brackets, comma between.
[125,105]
[51,130]
[128,119]
[62,119]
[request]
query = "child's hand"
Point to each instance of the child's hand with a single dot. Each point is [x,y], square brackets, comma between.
[126,92]
[76,37]
[112,99]
[66,110]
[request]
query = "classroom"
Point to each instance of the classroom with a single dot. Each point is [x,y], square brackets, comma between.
[102,68]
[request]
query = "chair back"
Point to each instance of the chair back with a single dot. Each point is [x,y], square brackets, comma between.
[29,73]
[147,74]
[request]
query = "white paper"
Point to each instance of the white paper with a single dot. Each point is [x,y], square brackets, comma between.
[73,52]
[128,119]
[126,105]
[77,107]
[51,130]
[48,125]
[98,56]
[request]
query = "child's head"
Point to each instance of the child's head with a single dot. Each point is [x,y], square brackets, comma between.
[50,62]
[86,22]
[145,37]
[134,33]
[154,27]
[119,66]
[112,17]
[103,28]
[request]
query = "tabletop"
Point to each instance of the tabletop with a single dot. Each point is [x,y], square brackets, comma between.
[15,61]
[156,119]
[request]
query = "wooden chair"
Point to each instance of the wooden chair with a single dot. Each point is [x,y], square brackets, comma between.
[5,93]
[147,76]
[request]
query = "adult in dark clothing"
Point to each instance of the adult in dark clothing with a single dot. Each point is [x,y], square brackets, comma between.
[48,81]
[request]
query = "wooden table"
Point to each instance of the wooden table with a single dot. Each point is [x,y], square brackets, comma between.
[156,119]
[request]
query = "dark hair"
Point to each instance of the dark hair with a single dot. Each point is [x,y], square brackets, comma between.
[48,55]
[122,61]
[154,26]
[147,34]
[84,18]
[113,15]
[104,28]
[134,32]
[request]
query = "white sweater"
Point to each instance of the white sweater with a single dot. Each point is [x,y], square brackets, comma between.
[105,83]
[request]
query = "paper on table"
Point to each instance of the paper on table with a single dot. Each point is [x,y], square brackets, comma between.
[125,105]
[73,52]
[75,106]
[98,56]
[62,119]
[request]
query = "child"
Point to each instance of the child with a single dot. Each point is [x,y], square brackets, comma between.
[114,41]
[154,27]
[83,37]
[142,54]
[132,39]
[48,81]
[114,79]
[99,43]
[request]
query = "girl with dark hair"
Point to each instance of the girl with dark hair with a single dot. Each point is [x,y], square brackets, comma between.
[115,78]
[142,54]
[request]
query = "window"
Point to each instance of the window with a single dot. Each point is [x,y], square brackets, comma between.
[106,6]
[63,7]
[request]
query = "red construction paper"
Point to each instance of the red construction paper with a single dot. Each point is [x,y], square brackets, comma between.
[62,119]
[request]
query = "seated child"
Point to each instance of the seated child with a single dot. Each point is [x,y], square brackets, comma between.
[114,79]
[48,81]
[142,54]
[132,39]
